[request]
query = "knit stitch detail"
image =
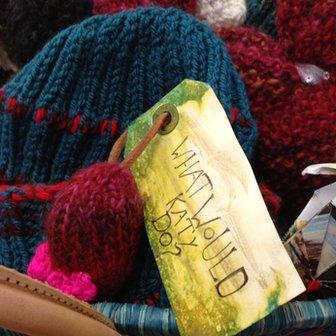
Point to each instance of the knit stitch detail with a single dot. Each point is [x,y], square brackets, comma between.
[108,70]
[307,29]
[61,120]
[95,224]
[28,192]
[40,20]
[295,120]
[77,284]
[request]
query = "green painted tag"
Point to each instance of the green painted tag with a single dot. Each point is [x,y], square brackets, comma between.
[220,258]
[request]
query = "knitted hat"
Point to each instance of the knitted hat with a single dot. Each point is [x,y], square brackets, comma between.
[307,30]
[40,20]
[64,109]
[222,12]
[295,120]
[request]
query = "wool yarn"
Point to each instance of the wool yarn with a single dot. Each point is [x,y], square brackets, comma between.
[63,111]
[77,284]
[222,12]
[307,31]
[295,120]
[93,228]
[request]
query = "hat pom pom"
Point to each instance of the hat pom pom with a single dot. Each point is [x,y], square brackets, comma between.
[77,284]
[94,226]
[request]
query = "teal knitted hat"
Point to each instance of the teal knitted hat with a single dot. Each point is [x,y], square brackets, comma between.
[64,110]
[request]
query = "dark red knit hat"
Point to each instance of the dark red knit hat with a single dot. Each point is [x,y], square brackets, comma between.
[307,31]
[296,121]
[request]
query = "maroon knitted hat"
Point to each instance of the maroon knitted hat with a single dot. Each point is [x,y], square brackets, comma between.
[307,31]
[296,121]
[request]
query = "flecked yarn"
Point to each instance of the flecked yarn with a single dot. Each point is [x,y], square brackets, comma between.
[94,227]
[295,120]
[64,110]
[222,12]
[307,30]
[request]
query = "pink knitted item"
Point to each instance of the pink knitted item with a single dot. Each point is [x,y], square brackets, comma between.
[76,284]
[95,225]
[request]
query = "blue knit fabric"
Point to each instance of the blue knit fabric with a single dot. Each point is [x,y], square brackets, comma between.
[107,67]
[20,230]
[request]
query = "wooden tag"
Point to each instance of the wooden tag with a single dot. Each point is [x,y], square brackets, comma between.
[220,258]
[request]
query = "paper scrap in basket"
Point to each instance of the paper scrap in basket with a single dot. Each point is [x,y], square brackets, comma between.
[311,241]
[221,260]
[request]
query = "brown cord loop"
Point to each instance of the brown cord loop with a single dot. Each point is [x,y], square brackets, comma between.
[119,145]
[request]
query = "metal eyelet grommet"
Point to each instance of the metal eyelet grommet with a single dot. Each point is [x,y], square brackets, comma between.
[173,114]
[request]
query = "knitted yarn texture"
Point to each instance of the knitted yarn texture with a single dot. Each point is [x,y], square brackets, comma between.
[272,201]
[63,111]
[295,120]
[94,227]
[87,87]
[78,284]
[307,30]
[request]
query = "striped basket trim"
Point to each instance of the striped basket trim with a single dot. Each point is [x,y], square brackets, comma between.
[315,318]
[134,319]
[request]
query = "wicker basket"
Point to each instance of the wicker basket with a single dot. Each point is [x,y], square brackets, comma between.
[297,318]
[293,319]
